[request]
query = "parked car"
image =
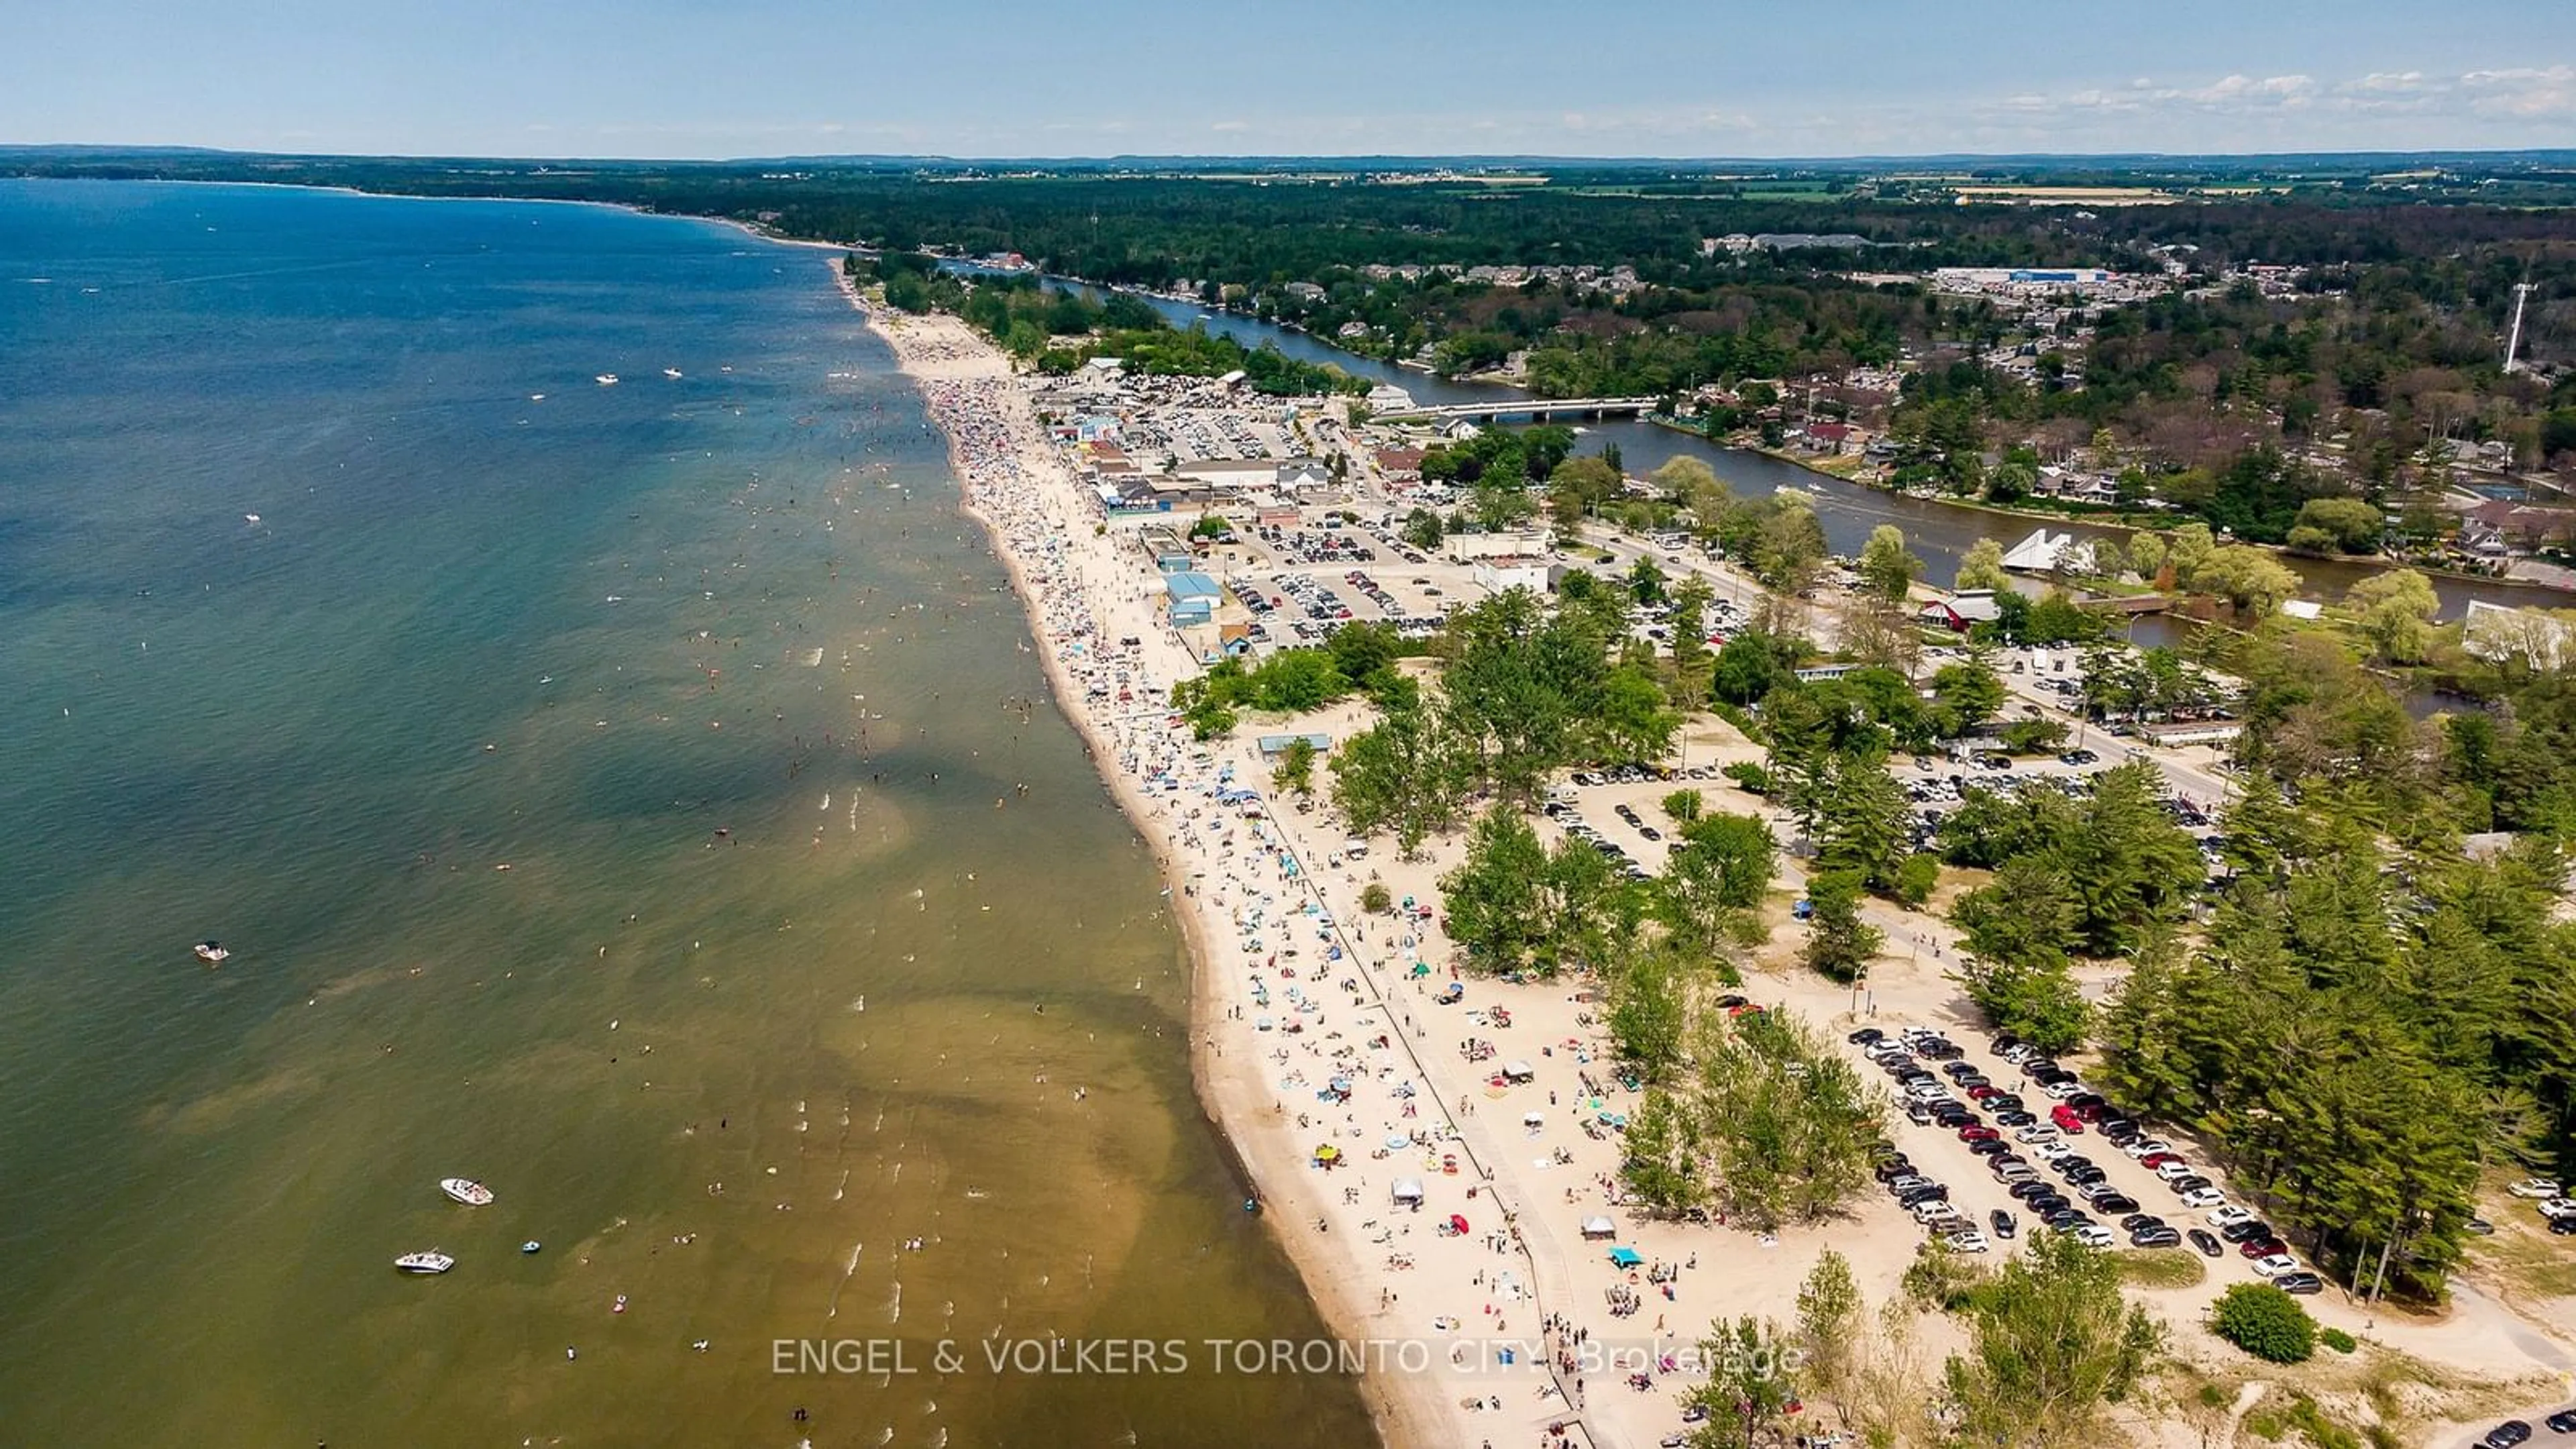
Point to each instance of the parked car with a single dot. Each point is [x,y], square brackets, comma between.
[2507,1434]
[2228,1217]
[2275,1265]
[2244,1227]
[2204,1197]
[2145,1146]
[2562,1422]
[2094,1235]
[2003,1224]
[2536,1187]
[1966,1240]
[2301,1283]
[2155,1237]
[2207,1242]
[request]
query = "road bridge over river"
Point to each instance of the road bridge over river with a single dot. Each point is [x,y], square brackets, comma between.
[1537,409]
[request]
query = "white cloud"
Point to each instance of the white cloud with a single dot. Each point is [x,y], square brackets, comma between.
[2525,93]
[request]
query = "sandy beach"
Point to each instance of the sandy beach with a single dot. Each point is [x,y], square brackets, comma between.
[1444,1174]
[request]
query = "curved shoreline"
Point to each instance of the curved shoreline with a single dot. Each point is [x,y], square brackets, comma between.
[1400,1405]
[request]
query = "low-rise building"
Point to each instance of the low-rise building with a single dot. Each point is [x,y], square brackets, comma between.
[1500,573]
[1190,598]
[1962,611]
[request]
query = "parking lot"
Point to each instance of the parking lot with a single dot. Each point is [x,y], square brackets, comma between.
[1995,1143]
[1937,784]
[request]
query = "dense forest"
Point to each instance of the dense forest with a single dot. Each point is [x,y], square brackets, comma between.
[2360,372]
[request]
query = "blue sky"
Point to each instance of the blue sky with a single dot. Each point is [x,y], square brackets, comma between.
[717,78]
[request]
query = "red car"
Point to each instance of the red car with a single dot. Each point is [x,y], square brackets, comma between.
[2066,1120]
[2261,1247]
[2159,1159]
[1983,1090]
[1979,1133]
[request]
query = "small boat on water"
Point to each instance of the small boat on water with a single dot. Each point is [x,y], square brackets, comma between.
[466,1190]
[432,1261]
[672,373]
[212,952]
[606,379]
[531,1246]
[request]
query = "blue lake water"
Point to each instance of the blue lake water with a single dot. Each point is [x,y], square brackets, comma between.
[610,795]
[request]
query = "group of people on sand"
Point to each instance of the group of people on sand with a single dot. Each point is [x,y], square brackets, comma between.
[1335,1049]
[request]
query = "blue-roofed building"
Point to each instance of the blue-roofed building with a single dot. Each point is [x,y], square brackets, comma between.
[1191,598]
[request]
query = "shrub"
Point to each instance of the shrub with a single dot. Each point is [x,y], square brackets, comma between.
[1916,877]
[1375,898]
[1941,1278]
[2337,1339]
[2265,1322]
[1755,779]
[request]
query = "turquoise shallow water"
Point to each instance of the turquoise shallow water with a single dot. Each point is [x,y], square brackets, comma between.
[714,668]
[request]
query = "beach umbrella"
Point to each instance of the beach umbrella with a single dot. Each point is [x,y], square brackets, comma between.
[1533,1119]
[1421,968]
[1398,1142]
[1457,1224]
[1328,1153]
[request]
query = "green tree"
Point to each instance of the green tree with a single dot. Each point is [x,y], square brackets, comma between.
[1494,906]
[1791,548]
[2349,523]
[1400,775]
[1830,1328]
[1296,767]
[1749,1387]
[1886,566]
[1717,872]
[1646,1014]
[1982,567]
[1839,943]
[2146,554]
[1634,720]
[1658,1161]
[1684,806]
[1966,695]
[2396,611]
[2053,1344]
[2265,1322]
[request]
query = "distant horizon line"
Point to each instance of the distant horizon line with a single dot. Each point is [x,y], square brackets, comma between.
[2553,154]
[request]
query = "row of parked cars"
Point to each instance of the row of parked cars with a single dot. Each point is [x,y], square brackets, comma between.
[1317,547]
[1571,821]
[2516,1431]
[1941,1087]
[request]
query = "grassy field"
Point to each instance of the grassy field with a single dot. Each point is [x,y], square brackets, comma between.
[2163,1268]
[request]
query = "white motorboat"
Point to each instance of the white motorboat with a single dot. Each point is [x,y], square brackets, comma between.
[432,1261]
[672,373]
[466,1190]
[212,952]
[606,379]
